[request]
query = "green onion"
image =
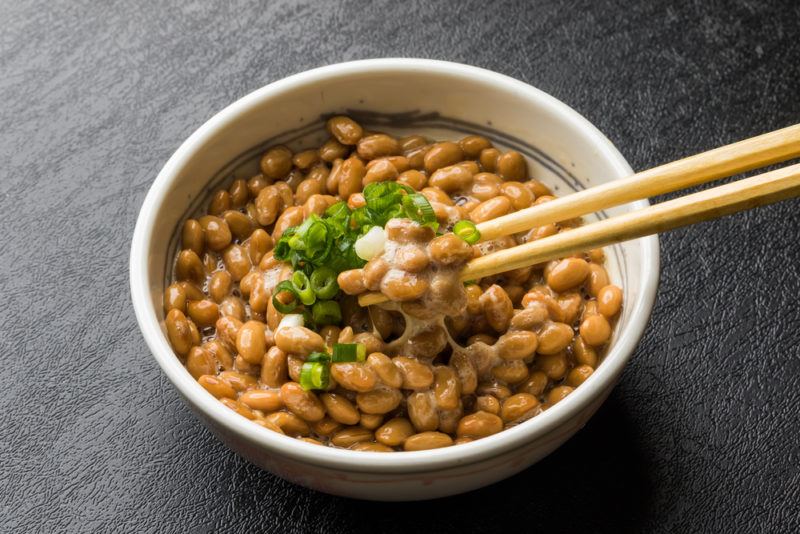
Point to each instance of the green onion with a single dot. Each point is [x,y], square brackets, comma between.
[363,218]
[282,248]
[318,246]
[419,209]
[302,287]
[326,312]
[318,357]
[314,375]
[467,231]
[338,212]
[381,196]
[323,282]
[344,256]
[349,352]
[296,243]
[296,240]
[311,241]
[285,287]
[329,240]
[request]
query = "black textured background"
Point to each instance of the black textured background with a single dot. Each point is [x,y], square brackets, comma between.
[700,435]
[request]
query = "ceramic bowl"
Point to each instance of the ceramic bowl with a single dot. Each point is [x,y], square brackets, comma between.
[400,96]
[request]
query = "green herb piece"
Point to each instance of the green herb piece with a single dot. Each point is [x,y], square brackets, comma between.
[382,197]
[419,209]
[312,240]
[323,282]
[302,287]
[344,257]
[318,357]
[349,352]
[467,231]
[285,287]
[314,375]
[329,241]
[321,241]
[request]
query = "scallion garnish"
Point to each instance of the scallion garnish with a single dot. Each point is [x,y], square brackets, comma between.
[329,241]
[318,357]
[338,211]
[349,352]
[321,241]
[323,282]
[326,312]
[419,209]
[467,231]
[314,375]
[382,197]
[312,238]
[282,289]
[302,287]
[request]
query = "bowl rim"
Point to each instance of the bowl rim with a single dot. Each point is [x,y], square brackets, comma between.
[496,445]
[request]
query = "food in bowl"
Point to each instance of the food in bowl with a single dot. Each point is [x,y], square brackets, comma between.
[263,307]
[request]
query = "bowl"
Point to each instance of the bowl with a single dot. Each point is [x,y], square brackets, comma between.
[440,99]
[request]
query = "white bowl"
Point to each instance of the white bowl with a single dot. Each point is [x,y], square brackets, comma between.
[443,100]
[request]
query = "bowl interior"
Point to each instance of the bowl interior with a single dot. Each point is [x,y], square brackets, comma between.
[433,125]
[440,100]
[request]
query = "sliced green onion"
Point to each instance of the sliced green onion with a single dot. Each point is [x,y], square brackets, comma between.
[419,209]
[323,282]
[363,218]
[344,257]
[311,241]
[326,312]
[318,357]
[302,287]
[314,375]
[296,243]
[285,287]
[338,212]
[318,243]
[282,248]
[467,231]
[296,239]
[349,352]
[380,196]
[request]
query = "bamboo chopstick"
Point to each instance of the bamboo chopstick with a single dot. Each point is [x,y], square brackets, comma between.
[738,196]
[772,147]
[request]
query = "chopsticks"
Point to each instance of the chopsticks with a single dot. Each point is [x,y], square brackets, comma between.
[745,194]
[752,153]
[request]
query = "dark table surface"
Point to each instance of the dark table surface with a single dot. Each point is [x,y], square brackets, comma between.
[700,435]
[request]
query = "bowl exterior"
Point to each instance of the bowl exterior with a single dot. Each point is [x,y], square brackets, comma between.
[442,100]
[410,486]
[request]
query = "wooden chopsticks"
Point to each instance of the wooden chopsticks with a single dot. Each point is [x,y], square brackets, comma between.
[759,151]
[760,190]
[745,194]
